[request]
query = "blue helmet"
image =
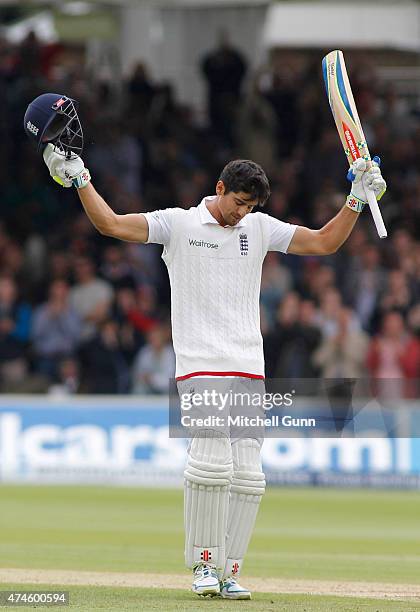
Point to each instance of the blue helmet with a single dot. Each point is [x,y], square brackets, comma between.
[53,118]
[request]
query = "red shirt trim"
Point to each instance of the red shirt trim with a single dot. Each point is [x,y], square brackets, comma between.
[242,374]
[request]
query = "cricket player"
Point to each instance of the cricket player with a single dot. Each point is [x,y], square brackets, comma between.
[214,254]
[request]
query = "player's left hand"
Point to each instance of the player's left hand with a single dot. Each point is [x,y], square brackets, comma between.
[363,179]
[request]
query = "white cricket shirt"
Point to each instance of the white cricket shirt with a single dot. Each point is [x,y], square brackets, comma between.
[215,276]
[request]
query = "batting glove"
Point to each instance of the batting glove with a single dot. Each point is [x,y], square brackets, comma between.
[362,180]
[66,172]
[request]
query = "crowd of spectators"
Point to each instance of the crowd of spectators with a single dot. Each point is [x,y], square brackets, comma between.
[83,313]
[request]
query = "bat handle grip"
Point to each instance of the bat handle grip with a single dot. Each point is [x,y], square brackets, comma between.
[376,214]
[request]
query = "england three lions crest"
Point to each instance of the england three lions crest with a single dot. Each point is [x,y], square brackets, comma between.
[243,244]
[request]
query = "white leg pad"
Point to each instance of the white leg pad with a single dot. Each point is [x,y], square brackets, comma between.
[248,486]
[207,481]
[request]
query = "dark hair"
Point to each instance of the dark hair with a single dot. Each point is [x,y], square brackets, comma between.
[246,176]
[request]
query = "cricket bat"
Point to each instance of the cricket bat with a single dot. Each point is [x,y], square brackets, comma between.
[348,123]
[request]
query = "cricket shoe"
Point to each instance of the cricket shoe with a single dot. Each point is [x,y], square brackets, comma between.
[206,580]
[230,589]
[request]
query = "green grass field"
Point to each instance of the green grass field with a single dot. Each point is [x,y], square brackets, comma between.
[318,534]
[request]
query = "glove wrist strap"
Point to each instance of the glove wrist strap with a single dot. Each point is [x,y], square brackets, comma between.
[355,203]
[82,179]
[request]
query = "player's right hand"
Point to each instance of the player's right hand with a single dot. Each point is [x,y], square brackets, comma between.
[66,172]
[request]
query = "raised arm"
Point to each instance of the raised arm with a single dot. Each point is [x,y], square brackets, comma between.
[329,238]
[131,227]
[326,240]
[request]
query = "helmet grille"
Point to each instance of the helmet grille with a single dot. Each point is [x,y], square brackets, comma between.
[65,131]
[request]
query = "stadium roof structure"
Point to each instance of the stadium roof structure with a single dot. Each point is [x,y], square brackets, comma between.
[345,24]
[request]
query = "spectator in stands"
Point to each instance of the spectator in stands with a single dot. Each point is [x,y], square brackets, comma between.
[90,297]
[397,295]
[364,283]
[144,262]
[343,354]
[141,90]
[132,329]
[116,155]
[402,245]
[224,69]
[278,345]
[115,268]
[154,365]
[328,314]
[15,322]
[288,348]
[282,90]
[34,261]
[27,205]
[394,358]
[30,53]
[59,266]
[396,111]
[12,261]
[257,126]
[68,379]
[310,337]
[316,279]
[104,368]
[144,315]
[413,354]
[56,330]
[80,240]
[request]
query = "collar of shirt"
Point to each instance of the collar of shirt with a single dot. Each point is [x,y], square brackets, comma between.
[207,217]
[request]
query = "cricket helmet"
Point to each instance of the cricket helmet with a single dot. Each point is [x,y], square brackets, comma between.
[53,118]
